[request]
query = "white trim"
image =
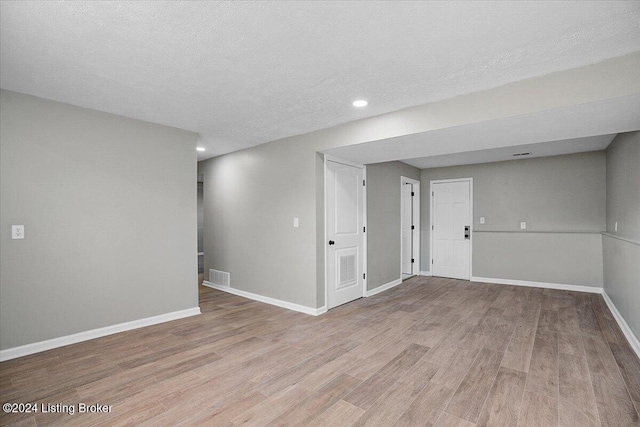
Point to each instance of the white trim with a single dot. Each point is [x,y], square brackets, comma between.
[364,234]
[383,288]
[268,300]
[415,267]
[546,285]
[328,157]
[37,347]
[626,330]
[425,273]
[431,197]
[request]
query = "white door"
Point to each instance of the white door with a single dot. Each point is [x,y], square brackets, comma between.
[345,240]
[451,229]
[407,230]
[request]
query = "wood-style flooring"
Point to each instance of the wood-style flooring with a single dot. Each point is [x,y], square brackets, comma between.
[431,352]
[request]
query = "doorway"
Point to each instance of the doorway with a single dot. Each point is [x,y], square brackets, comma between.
[345,215]
[451,236]
[410,227]
[200,209]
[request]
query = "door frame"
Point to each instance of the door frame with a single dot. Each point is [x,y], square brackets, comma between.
[431,205]
[328,157]
[415,268]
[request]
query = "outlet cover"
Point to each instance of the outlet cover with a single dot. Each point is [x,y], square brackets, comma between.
[523,225]
[17,232]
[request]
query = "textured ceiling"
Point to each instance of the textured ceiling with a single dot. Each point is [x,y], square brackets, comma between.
[546,133]
[244,73]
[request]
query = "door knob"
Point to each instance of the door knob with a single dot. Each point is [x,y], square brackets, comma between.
[331,242]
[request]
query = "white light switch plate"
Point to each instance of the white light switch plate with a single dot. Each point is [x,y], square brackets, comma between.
[296,222]
[523,226]
[17,232]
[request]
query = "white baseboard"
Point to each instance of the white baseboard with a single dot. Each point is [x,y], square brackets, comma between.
[25,350]
[560,286]
[425,273]
[383,288]
[267,300]
[626,330]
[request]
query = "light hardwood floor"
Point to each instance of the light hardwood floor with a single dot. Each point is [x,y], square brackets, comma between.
[429,352]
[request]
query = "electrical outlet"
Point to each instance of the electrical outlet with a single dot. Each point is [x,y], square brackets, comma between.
[523,225]
[481,220]
[17,232]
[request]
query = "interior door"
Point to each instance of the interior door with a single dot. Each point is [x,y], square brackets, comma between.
[451,231]
[407,231]
[345,239]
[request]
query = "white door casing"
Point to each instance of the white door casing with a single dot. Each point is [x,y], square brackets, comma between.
[344,232]
[406,223]
[410,226]
[451,216]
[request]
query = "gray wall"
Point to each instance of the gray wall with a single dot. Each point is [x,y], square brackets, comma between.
[383,220]
[109,208]
[250,200]
[623,185]
[621,257]
[251,196]
[561,198]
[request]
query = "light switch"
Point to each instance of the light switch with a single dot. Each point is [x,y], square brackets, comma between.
[523,225]
[481,220]
[17,231]
[296,223]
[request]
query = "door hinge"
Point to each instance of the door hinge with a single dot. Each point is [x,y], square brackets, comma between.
[431,261]
[412,261]
[364,275]
[413,194]
[413,227]
[364,229]
[363,183]
[432,227]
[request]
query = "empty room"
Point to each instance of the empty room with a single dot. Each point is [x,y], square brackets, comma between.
[320,213]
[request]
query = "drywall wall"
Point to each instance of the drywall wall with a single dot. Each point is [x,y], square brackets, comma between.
[252,196]
[562,200]
[623,185]
[109,209]
[250,200]
[621,248]
[383,220]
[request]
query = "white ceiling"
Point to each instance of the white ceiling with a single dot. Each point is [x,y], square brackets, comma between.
[540,149]
[245,73]
[552,132]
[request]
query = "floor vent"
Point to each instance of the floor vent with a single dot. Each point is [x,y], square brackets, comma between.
[218,277]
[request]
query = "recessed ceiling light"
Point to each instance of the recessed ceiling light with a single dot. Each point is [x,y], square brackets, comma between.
[360,103]
[200,149]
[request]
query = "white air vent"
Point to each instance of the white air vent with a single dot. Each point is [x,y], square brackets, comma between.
[218,277]
[347,269]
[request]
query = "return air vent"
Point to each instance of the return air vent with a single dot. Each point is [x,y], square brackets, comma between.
[218,277]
